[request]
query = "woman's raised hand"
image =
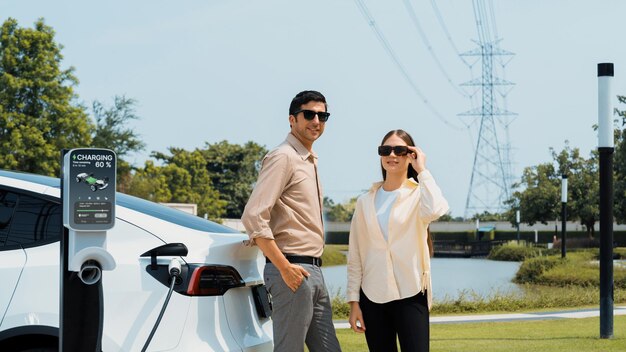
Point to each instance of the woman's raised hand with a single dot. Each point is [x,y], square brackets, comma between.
[417,158]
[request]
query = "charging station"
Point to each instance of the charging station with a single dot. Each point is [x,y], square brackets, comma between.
[88,198]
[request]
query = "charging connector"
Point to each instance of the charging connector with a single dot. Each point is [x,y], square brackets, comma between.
[174,270]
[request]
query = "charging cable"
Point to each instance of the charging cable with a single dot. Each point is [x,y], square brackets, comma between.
[174,270]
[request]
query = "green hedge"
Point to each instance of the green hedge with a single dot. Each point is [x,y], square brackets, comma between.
[513,252]
[531,269]
[579,268]
[332,256]
[619,237]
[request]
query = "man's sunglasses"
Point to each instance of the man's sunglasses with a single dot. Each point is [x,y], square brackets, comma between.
[398,150]
[310,115]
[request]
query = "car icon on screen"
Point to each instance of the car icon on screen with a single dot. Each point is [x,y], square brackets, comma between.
[93,183]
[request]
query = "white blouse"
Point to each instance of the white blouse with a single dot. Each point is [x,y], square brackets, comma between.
[384,202]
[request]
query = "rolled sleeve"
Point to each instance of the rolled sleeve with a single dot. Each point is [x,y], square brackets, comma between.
[272,180]
[432,203]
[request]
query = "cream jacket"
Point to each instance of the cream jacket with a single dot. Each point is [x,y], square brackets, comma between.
[400,267]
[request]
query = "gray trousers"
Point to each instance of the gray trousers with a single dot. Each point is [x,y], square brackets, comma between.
[304,316]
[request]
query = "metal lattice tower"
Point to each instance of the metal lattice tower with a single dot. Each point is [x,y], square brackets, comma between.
[491,172]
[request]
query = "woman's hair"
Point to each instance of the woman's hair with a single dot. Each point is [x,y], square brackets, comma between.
[411,173]
[429,241]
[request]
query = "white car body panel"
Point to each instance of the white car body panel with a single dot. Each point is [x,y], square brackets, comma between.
[132,297]
[210,333]
[250,333]
[37,290]
[11,264]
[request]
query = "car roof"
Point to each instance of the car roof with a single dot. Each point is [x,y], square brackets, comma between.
[134,203]
[34,178]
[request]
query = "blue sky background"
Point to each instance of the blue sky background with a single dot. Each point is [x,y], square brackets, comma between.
[206,71]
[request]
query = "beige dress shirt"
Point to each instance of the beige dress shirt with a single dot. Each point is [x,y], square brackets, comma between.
[286,203]
[399,267]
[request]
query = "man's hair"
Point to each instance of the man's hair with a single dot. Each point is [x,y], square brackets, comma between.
[305,97]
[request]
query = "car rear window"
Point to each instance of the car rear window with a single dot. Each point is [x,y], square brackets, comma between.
[141,205]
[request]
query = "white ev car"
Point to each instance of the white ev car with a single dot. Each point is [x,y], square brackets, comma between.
[216,307]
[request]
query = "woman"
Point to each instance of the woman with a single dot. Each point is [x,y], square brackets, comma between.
[389,284]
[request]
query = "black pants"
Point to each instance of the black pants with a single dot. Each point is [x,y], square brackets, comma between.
[406,318]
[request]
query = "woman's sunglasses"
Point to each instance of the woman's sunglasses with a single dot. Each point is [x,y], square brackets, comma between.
[310,115]
[398,150]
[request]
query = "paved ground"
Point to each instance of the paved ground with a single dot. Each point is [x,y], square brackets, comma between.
[568,314]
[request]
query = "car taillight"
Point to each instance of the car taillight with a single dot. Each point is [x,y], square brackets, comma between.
[213,280]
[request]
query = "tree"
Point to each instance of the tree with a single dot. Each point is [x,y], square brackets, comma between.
[449,218]
[150,183]
[111,132]
[540,199]
[486,216]
[37,117]
[233,170]
[619,165]
[446,217]
[339,212]
[219,178]
[583,186]
[187,179]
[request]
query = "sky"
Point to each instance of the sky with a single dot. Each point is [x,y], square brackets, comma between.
[213,70]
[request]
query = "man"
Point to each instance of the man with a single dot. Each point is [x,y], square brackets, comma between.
[284,218]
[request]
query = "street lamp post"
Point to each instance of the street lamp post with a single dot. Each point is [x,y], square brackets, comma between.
[517,222]
[477,228]
[563,214]
[605,149]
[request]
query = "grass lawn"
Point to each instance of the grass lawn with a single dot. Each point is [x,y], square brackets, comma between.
[522,336]
[333,254]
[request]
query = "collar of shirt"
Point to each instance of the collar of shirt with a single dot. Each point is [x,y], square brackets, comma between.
[409,183]
[301,149]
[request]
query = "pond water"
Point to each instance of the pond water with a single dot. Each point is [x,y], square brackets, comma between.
[451,276]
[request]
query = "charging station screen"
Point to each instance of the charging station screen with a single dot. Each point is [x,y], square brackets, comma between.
[89,212]
[90,189]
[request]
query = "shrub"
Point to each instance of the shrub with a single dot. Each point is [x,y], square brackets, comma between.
[531,297]
[579,268]
[341,308]
[332,256]
[572,273]
[513,252]
[582,270]
[531,269]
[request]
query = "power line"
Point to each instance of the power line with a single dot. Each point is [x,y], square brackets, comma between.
[483,31]
[445,29]
[493,19]
[418,27]
[381,38]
